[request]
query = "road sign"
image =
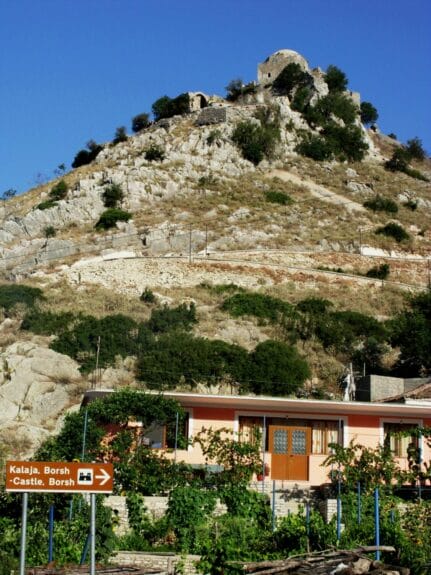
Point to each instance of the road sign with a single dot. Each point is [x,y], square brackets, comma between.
[59,477]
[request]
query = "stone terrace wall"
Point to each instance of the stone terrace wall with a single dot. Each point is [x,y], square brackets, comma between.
[164,562]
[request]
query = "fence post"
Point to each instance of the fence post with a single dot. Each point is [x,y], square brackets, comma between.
[377,520]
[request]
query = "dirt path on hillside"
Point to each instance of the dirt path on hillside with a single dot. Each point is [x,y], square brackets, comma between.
[317,191]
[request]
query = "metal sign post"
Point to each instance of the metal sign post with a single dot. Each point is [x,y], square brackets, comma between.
[93,534]
[23,533]
[59,477]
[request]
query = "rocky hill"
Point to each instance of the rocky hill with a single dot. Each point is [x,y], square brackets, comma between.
[198,214]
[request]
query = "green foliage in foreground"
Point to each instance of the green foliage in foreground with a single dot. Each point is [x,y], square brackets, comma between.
[259,305]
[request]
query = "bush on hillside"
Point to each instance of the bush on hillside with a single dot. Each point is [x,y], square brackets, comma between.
[236,88]
[120,135]
[110,217]
[314,147]
[369,114]
[393,230]
[381,204]
[276,197]
[380,272]
[117,333]
[59,191]
[84,157]
[292,76]
[11,295]
[46,205]
[166,319]
[112,195]
[276,368]
[415,149]
[346,142]
[171,360]
[155,153]
[49,232]
[336,79]
[335,104]
[258,305]
[47,322]
[140,122]
[255,141]
[166,107]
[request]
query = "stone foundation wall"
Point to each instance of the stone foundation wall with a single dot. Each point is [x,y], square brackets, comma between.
[164,562]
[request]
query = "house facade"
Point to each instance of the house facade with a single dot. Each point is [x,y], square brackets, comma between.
[296,433]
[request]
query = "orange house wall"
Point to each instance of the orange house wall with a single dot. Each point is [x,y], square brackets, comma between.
[362,429]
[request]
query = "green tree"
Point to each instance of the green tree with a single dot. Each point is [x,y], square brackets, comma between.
[166,107]
[276,368]
[292,76]
[234,89]
[415,149]
[112,196]
[84,157]
[369,113]
[140,122]
[336,79]
[411,332]
[120,135]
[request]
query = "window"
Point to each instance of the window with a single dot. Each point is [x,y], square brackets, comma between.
[159,436]
[323,434]
[399,438]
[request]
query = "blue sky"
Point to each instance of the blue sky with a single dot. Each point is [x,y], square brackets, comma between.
[74,70]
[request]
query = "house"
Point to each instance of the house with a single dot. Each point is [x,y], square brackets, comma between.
[297,433]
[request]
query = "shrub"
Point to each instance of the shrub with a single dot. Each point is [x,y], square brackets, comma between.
[393,230]
[259,305]
[166,319]
[147,296]
[336,79]
[415,149]
[112,195]
[381,204]
[345,142]
[234,89]
[416,174]
[392,136]
[277,197]
[46,205]
[120,135]
[380,272]
[399,160]
[47,322]
[170,360]
[301,99]
[292,76]
[411,204]
[155,153]
[117,337]
[49,231]
[336,104]
[166,107]
[11,295]
[314,147]
[110,217]
[213,137]
[140,122]
[256,141]
[84,157]
[276,368]
[59,191]
[369,113]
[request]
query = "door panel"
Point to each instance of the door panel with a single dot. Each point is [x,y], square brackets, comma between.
[290,449]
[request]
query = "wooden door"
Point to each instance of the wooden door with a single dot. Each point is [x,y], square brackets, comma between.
[290,449]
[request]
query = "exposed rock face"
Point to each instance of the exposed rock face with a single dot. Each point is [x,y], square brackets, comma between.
[36,386]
